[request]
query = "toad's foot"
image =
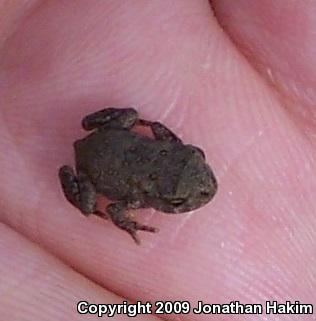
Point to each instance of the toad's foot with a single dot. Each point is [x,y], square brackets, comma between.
[124,118]
[119,217]
[78,190]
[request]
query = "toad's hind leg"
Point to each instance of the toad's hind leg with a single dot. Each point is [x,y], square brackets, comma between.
[160,131]
[112,118]
[79,191]
[119,216]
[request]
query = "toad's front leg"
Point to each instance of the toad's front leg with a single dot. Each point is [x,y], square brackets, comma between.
[160,131]
[119,216]
[79,191]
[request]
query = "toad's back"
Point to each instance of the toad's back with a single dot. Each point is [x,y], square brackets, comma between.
[122,164]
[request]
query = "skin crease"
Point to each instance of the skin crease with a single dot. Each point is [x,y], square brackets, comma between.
[172,60]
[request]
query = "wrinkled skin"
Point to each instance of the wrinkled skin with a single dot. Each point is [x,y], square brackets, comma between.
[254,117]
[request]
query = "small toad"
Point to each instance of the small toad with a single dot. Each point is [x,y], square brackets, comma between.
[135,171]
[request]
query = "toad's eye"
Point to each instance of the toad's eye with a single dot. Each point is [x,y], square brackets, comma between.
[195,149]
[199,150]
[177,201]
[205,193]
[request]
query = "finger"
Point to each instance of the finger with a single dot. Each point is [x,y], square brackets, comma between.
[208,93]
[279,40]
[36,286]
[12,12]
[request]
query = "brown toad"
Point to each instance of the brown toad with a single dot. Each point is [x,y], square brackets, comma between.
[135,171]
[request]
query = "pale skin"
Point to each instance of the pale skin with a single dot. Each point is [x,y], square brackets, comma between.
[253,117]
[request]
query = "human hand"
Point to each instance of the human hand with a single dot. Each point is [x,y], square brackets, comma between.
[171,60]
